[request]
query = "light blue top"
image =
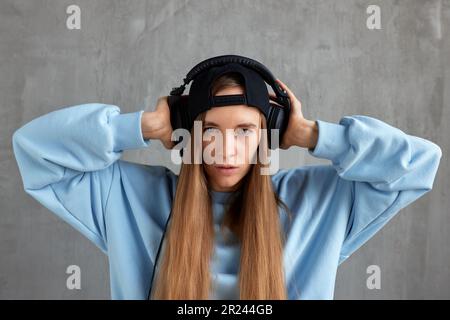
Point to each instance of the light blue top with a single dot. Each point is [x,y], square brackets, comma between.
[69,161]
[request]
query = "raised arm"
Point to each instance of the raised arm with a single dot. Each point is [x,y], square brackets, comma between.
[66,159]
[387,168]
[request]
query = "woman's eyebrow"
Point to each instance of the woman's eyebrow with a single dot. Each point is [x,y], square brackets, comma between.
[244,124]
[247,124]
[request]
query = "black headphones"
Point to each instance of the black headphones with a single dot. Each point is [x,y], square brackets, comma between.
[278,114]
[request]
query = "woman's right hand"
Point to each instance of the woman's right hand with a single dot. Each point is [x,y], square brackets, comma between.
[156,124]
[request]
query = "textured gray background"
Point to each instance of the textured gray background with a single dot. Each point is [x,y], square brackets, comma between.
[129,53]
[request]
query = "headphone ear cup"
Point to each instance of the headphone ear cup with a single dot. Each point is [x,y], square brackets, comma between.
[178,111]
[185,117]
[277,120]
[179,117]
[173,102]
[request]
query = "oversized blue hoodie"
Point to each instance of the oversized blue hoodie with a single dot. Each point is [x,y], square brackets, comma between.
[69,161]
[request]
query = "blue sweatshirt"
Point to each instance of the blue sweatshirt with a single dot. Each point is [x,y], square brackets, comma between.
[69,161]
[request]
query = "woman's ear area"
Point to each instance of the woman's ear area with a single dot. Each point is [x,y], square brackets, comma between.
[262,125]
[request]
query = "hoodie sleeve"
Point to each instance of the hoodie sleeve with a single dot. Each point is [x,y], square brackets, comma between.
[387,168]
[65,160]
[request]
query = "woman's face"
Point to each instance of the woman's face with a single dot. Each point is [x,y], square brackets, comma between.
[237,126]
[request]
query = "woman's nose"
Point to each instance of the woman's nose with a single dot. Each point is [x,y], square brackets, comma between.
[229,146]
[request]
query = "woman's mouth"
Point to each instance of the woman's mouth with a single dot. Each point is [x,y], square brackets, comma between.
[226,170]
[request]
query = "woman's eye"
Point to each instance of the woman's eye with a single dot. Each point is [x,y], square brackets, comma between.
[237,132]
[209,130]
[243,131]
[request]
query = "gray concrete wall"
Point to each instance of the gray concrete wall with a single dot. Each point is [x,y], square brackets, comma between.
[129,53]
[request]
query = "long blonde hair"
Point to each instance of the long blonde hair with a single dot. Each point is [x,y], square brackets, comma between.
[253,217]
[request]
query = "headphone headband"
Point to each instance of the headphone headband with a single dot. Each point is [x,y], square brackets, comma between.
[230,58]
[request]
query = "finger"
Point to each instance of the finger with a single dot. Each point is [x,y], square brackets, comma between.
[291,95]
[285,87]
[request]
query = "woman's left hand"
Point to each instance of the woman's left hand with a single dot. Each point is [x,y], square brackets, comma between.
[300,131]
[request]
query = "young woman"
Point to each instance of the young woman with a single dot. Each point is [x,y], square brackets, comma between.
[233,233]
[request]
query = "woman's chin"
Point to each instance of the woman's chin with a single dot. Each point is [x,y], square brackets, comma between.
[226,184]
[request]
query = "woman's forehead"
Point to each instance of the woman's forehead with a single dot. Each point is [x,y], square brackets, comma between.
[232,115]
